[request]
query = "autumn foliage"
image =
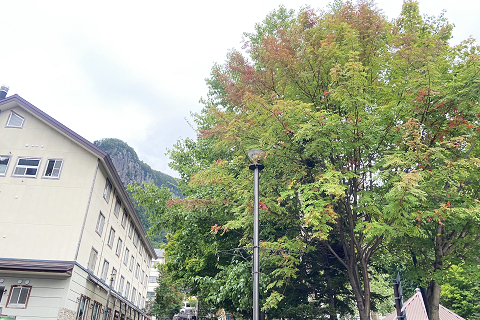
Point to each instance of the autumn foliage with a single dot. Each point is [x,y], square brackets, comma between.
[370,132]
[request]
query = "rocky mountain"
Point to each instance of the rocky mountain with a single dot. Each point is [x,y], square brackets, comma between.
[131,169]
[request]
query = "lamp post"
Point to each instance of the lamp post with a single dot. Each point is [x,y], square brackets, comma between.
[255,155]
[112,278]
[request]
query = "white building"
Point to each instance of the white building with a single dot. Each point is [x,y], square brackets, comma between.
[152,280]
[66,224]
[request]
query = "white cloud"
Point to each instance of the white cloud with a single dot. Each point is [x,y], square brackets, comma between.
[134,71]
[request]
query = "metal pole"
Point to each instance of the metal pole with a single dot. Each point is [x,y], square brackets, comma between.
[105,314]
[256,265]
[256,259]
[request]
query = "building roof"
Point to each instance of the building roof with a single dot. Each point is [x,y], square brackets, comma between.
[15,100]
[159,252]
[415,310]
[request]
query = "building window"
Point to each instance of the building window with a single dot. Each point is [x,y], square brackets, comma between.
[26,167]
[105,270]
[92,260]
[120,286]
[125,258]
[53,168]
[118,205]
[119,247]
[4,165]
[15,120]
[137,271]
[124,219]
[114,272]
[150,294]
[127,290]
[100,223]
[82,308]
[111,237]
[142,276]
[135,239]
[152,279]
[18,297]
[132,261]
[134,294]
[139,299]
[96,309]
[130,230]
[107,191]
[145,280]
[140,250]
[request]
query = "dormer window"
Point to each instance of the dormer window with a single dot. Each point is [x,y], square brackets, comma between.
[15,120]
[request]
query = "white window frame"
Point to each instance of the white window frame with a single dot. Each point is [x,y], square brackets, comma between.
[106,266]
[152,278]
[3,158]
[137,271]
[126,256]
[16,304]
[134,293]
[135,238]
[92,260]
[96,310]
[27,167]
[84,310]
[118,206]
[132,262]
[124,219]
[55,161]
[120,285]
[130,230]
[111,238]
[127,289]
[7,125]
[100,224]
[107,191]
[118,251]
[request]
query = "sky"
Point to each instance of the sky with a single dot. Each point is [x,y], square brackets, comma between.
[136,70]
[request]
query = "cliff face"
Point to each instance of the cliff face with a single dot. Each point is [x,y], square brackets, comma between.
[131,169]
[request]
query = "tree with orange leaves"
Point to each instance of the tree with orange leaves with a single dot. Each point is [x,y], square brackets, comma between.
[366,125]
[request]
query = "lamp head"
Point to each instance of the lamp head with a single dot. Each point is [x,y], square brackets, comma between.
[255,155]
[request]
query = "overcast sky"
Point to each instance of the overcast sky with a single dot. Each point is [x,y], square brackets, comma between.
[135,70]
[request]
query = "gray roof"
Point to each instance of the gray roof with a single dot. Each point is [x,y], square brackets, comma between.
[16,100]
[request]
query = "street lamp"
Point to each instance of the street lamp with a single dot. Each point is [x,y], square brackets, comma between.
[112,278]
[255,155]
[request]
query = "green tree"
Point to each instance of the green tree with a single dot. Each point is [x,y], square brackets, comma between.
[366,125]
[168,299]
[460,293]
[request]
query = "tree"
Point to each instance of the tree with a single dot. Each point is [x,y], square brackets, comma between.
[168,299]
[362,122]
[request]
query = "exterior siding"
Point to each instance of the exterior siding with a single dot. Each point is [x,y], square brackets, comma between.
[55,219]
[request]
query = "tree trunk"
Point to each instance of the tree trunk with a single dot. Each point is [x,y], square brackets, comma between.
[433,300]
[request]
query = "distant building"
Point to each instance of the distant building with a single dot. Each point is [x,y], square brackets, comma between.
[415,310]
[66,224]
[152,280]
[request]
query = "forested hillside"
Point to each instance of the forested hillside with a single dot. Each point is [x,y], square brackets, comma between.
[131,169]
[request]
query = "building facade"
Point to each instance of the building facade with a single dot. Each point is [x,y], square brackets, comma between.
[67,226]
[152,279]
